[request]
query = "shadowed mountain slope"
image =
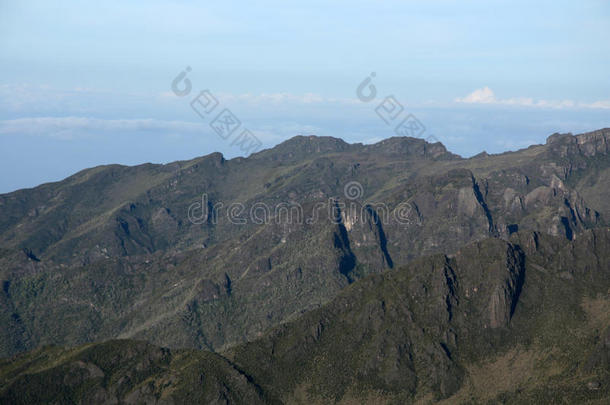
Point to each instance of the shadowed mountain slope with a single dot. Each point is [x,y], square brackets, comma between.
[523,321]
[113,252]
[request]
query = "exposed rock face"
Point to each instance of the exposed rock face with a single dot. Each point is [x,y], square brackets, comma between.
[412,333]
[588,145]
[506,293]
[495,322]
[146,251]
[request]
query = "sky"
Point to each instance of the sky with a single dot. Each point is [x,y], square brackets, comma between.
[88,83]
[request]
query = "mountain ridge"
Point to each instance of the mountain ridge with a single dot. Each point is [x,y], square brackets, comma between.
[583,138]
[440,329]
[116,247]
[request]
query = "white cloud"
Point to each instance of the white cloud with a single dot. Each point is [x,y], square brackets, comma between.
[283,98]
[600,104]
[483,96]
[78,127]
[71,128]
[486,96]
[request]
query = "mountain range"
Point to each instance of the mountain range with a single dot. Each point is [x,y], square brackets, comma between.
[316,271]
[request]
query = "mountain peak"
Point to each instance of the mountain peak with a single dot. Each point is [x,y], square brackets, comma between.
[412,146]
[587,144]
[300,146]
[315,143]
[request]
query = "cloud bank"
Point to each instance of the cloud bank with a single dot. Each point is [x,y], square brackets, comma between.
[73,127]
[486,95]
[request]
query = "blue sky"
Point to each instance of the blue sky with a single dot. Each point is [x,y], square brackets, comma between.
[88,83]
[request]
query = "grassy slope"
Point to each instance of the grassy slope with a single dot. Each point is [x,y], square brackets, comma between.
[118,257]
[405,336]
[431,331]
[125,370]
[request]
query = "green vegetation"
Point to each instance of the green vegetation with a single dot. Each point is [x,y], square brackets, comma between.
[525,321]
[111,253]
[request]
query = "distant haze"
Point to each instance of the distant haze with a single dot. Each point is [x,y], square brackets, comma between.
[84,84]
